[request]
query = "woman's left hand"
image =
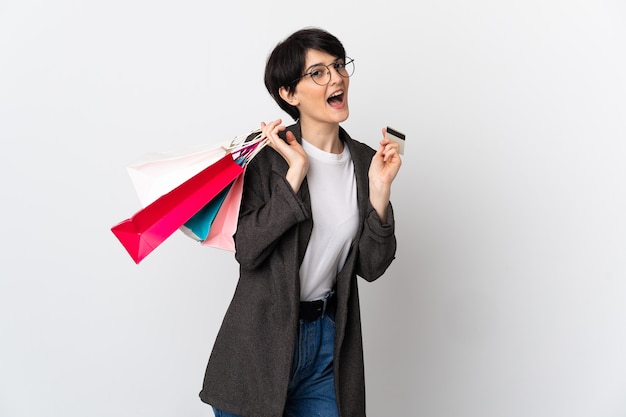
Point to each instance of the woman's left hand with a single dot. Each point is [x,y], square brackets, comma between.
[383,170]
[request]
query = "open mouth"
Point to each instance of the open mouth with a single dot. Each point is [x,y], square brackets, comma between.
[336,99]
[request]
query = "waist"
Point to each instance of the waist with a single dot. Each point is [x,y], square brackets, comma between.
[312,310]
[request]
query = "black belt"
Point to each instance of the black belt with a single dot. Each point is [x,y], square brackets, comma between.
[312,310]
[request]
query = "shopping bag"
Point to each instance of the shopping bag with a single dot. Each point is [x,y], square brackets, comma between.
[215,224]
[200,223]
[174,187]
[150,226]
[157,173]
[225,223]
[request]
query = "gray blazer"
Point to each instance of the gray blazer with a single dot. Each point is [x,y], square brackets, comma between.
[249,367]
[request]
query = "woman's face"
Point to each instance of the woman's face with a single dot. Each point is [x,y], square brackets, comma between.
[322,103]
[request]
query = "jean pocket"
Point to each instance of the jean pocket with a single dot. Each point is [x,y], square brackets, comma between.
[330,318]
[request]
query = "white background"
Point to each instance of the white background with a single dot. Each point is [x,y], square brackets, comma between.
[508,294]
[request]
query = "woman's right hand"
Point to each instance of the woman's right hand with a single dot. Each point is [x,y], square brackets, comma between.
[290,150]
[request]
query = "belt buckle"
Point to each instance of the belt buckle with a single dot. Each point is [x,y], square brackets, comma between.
[325,301]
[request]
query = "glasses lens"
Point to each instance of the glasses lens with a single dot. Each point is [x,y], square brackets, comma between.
[320,75]
[347,69]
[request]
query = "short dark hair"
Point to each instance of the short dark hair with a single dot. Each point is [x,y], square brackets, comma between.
[286,62]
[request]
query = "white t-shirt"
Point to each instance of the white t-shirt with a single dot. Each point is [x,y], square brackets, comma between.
[332,187]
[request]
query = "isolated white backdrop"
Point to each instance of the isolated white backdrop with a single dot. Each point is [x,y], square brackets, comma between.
[508,294]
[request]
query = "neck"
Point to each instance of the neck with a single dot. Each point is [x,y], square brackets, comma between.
[322,136]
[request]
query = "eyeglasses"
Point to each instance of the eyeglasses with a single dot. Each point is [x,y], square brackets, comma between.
[320,74]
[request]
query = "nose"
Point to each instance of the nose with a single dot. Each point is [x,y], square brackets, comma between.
[333,74]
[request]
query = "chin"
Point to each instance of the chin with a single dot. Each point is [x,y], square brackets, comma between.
[341,115]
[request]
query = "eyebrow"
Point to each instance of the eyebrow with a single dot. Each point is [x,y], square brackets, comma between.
[323,65]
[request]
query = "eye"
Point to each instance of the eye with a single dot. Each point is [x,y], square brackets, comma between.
[339,66]
[318,72]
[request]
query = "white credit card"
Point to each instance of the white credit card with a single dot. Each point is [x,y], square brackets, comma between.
[398,137]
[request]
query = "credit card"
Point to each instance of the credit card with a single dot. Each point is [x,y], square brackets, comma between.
[398,137]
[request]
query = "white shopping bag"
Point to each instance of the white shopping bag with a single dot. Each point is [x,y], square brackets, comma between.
[155,174]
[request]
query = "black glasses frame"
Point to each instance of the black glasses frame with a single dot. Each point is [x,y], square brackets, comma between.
[334,65]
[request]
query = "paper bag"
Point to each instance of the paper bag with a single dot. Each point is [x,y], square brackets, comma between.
[225,223]
[149,227]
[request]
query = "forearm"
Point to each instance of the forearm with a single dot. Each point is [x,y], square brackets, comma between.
[379,198]
[295,176]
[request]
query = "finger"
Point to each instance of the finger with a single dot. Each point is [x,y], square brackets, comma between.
[290,137]
[275,122]
[390,144]
[265,127]
[270,132]
[390,151]
[277,129]
[386,141]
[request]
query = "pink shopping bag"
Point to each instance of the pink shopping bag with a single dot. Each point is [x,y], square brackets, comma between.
[225,223]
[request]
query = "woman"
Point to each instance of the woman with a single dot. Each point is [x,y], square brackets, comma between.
[315,213]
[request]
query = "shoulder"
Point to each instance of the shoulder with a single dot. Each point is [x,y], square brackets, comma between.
[267,160]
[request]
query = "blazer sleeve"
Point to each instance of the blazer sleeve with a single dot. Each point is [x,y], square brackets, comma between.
[269,208]
[377,241]
[377,244]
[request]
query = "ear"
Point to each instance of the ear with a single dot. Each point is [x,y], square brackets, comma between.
[289,97]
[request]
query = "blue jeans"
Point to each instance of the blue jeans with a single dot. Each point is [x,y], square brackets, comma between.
[312,383]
